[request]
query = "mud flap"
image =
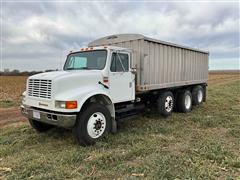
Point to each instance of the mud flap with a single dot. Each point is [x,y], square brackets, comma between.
[205,93]
[114,126]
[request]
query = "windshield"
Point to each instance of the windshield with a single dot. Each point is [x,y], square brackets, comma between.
[86,60]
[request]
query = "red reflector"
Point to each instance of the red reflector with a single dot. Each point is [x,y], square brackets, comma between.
[105,79]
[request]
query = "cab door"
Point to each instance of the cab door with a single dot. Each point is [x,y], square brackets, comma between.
[121,79]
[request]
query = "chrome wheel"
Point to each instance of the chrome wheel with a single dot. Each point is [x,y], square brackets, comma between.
[188,101]
[96,125]
[169,103]
[200,96]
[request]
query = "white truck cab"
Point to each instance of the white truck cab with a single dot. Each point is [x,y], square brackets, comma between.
[116,77]
[96,75]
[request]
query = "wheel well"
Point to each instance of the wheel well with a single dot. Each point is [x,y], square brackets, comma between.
[102,99]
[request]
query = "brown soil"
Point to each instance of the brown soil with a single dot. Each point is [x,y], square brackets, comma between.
[10,115]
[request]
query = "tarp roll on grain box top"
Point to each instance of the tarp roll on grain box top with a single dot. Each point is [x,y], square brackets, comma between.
[161,64]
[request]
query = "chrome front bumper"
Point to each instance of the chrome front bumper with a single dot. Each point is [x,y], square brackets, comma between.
[57,119]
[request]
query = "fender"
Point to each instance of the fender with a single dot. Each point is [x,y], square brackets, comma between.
[82,94]
[91,94]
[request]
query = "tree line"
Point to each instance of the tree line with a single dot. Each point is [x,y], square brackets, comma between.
[16,72]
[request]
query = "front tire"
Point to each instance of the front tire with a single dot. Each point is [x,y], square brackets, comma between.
[39,126]
[93,123]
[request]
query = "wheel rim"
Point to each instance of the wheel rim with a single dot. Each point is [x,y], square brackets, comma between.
[169,103]
[200,96]
[187,101]
[96,125]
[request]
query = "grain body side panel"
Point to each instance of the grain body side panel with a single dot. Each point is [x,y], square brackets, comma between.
[168,66]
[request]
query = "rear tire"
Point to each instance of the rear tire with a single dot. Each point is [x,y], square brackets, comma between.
[184,101]
[39,126]
[165,103]
[197,95]
[93,123]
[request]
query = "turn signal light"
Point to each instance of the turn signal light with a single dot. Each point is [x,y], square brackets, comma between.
[71,105]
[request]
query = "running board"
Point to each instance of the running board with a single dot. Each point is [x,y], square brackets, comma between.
[129,112]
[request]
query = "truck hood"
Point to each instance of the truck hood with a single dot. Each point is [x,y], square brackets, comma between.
[65,74]
[64,83]
[63,86]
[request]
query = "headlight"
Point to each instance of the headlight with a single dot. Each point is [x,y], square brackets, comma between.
[66,104]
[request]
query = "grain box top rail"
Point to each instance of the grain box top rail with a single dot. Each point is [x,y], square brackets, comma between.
[117,38]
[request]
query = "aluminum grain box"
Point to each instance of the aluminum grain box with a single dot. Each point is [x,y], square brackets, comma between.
[161,64]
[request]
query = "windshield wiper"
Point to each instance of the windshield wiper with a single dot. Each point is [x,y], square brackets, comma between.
[70,69]
[85,68]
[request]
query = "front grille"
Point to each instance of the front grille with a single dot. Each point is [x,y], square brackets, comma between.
[40,88]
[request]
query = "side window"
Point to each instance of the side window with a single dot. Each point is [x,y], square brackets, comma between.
[120,62]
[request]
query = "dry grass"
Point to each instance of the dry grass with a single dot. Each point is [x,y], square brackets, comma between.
[11,89]
[222,78]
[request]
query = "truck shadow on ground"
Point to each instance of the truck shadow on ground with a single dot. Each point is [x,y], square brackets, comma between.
[145,122]
[62,134]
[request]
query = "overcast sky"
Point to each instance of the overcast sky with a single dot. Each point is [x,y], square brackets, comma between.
[38,35]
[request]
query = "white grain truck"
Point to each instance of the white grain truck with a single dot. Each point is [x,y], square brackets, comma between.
[113,78]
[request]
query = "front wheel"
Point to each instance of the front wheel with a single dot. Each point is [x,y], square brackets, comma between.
[93,123]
